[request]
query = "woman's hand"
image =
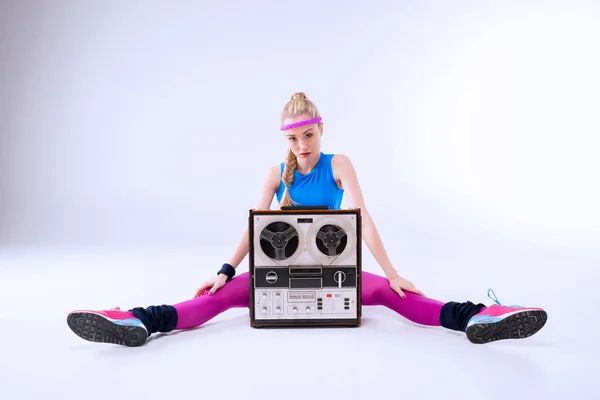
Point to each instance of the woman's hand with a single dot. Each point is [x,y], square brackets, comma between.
[398,283]
[212,285]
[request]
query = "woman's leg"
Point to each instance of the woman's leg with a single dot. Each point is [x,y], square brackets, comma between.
[376,291]
[133,327]
[195,312]
[480,323]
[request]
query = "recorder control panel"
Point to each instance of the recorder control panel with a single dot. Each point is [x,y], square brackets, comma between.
[289,304]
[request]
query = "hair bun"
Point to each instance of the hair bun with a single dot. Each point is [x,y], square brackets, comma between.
[299,96]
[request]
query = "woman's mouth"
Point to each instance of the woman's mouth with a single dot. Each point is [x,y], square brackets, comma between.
[304,154]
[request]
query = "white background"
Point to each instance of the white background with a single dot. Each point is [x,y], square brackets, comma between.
[135,136]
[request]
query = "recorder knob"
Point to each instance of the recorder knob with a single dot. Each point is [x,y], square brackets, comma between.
[277,310]
[295,310]
[307,309]
[339,277]
[264,296]
[277,296]
[271,277]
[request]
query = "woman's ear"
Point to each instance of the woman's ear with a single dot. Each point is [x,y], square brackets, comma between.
[321,127]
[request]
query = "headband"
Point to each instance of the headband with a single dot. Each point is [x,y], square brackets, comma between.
[301,123]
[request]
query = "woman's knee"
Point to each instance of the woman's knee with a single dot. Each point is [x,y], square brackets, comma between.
[373,286]
[236,291]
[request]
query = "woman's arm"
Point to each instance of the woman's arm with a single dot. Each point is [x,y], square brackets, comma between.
[345,175]
[270,187]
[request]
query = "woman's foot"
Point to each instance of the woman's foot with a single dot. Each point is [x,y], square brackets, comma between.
[108,326]
[499,322]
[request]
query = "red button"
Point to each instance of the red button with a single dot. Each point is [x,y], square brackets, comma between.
[328,294]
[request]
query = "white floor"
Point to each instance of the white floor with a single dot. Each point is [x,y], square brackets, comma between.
[387,357]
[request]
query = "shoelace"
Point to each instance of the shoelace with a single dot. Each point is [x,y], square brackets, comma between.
[493,298]
[498,301]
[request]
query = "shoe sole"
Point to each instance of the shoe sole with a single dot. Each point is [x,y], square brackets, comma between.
[99,329]
[520,325]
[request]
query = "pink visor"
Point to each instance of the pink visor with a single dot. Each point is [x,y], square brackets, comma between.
[301,123]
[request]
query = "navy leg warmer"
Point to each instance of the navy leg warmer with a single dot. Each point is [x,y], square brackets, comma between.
[157,318]
[456,315]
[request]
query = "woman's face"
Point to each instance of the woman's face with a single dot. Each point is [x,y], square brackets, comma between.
[304,141]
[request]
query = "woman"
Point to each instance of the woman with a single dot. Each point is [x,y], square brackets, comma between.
[310,177]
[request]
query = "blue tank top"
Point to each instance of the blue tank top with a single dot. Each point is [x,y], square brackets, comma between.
[317,188]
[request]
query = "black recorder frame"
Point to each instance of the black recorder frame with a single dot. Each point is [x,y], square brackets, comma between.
[297,323]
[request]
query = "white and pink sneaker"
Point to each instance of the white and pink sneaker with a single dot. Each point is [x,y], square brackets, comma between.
[499,322]
[108,326]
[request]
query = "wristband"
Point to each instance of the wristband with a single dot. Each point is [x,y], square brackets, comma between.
[228,270]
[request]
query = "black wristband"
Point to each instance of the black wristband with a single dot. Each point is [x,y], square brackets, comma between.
[228,270]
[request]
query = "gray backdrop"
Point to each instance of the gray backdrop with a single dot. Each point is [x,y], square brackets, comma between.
[473,125]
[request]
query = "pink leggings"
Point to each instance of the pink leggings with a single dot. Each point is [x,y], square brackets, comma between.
[376,291]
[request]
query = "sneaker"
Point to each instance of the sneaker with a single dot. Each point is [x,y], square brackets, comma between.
[108,326]
[499,322]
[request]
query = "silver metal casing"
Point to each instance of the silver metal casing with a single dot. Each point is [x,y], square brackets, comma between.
[305,267]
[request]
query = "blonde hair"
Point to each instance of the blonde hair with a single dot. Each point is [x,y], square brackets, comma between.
[298,105]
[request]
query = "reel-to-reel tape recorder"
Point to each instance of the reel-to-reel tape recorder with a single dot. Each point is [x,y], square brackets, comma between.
[305,267]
